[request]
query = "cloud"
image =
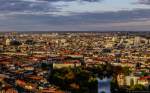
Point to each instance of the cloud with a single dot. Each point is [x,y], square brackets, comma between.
[60,7]
[80,22]
[72,15]
[66,0]
[51,7]
[57,0]
[19,6]
[147,2]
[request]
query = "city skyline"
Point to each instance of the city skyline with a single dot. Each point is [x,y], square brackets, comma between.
[74,15]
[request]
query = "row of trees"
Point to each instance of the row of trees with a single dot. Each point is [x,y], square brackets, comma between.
[75,80]
[84,79]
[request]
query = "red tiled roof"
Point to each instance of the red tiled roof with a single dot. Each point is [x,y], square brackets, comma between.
[145,77]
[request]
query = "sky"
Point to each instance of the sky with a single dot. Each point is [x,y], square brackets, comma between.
[74,15]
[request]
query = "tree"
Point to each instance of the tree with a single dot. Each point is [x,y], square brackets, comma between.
[131,82]
[138,87]
[126,71]
[29,42]
[82,79]
[16,44]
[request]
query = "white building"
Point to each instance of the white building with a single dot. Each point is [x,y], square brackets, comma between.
[131,80]
[7,42]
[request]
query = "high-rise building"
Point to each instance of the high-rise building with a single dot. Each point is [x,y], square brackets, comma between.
[137,41]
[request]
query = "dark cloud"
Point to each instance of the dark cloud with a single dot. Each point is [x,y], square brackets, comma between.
[77,19]
[19,6]
[10,6]
[70,0]
[144,2]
